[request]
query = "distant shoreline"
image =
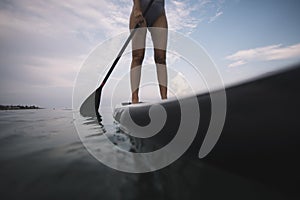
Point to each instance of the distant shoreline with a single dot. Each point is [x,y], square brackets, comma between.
[18,107]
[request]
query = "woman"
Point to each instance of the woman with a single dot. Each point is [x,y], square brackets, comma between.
[154,18]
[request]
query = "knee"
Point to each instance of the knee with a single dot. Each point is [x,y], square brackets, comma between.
[138,58]
[160,59]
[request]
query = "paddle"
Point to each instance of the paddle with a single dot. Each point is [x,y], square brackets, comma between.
[86,108]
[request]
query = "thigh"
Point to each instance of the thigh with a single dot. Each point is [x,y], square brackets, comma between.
[159,33]
[139,38]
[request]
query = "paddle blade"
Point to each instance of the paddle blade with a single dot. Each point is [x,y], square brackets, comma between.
[89,108]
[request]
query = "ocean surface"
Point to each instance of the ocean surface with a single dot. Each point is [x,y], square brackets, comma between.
[42,157]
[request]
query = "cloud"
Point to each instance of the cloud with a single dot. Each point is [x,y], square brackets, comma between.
[44,42]
[267,53]
[214,18]
[53,17]
[38,73]
[179,85]
[215,8]
[180,16]
[237,63]
[186,15]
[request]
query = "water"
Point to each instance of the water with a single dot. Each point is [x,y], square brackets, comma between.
[42,157]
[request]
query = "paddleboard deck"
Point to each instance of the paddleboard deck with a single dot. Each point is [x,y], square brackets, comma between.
[122,107]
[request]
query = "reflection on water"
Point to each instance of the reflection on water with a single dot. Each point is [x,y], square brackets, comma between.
[42,157]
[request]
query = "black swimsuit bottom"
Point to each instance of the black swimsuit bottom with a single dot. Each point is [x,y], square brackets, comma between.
[155,11]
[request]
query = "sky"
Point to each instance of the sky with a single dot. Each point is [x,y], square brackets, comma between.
[43,43]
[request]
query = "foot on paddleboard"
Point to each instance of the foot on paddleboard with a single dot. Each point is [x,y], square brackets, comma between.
[130,103]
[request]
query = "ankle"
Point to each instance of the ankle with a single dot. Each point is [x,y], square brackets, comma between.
[134,100]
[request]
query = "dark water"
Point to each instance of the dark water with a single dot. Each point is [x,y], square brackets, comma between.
[42,157]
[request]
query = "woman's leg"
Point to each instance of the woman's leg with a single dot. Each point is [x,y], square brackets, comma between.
[159,36]
[138,51]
